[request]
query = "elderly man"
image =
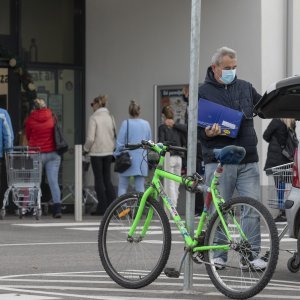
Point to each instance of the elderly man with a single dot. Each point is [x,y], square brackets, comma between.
[221,86]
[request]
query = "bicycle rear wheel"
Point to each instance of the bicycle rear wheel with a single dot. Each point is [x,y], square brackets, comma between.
[248,266]
[134,263]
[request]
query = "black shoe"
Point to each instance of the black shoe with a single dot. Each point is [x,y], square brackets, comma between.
[57,216]
[97,213]
[57,210]
[280,219]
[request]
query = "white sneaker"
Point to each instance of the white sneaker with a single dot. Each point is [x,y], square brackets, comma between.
[257,265]
[219,263]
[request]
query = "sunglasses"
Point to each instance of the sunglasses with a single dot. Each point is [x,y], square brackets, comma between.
[92,104]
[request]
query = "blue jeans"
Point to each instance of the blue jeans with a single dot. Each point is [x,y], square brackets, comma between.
[245,180]
[139,184]
[51,163]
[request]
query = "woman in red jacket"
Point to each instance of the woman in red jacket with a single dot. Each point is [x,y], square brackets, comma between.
[40,133]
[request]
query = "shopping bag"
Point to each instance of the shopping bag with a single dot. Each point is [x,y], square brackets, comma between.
[60,142]
[122,162]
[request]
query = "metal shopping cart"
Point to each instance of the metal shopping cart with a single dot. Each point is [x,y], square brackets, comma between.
[89,197]
[279,185]
[24,172]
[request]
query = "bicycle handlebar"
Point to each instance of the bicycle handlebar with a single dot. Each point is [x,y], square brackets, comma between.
[154,146]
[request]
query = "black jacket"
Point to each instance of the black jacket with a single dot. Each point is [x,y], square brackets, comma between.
[175,136]
[276,135]
[239,95]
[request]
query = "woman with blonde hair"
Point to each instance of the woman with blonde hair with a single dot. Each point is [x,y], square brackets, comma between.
[278,134]
[99,145]
[132,131]
[39,128]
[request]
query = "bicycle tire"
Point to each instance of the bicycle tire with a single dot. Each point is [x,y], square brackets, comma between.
[241,278]
[133,264]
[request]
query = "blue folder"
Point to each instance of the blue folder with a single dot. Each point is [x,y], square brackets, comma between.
[228,119]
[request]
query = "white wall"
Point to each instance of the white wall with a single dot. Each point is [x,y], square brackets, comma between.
[236,24]
[296,37]
[273,58]
[133,45]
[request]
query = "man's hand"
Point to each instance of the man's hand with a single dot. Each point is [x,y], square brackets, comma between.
[212,131]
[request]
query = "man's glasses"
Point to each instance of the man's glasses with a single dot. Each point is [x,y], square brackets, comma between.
[92,104]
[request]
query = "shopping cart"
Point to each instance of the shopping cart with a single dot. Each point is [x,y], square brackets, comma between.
[24,172]
[89,197]
[280,180]
[279,185]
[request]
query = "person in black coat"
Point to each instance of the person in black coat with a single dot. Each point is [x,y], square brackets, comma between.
[173,134]
[276,135]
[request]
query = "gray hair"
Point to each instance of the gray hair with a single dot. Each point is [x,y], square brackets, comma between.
[217,58]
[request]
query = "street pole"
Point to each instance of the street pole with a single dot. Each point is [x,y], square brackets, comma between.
[192,129]
[78,183]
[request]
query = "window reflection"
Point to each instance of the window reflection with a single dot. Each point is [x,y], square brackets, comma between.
[56,87]
[4,17]
[47,31]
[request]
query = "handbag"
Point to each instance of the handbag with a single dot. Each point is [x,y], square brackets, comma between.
[291,144]
[60,142]
[123,160]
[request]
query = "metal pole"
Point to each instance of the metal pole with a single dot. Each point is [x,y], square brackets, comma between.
[192,129]
[289,37]
[78,183]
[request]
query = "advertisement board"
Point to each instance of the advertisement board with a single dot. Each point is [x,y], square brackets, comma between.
[169,95]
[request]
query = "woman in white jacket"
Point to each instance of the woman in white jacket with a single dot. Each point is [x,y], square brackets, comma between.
[100,144]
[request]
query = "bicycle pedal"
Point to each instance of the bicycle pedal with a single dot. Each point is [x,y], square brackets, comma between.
[171,272]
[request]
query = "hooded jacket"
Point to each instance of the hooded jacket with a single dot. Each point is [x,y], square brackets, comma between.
[40,130]
[239,95]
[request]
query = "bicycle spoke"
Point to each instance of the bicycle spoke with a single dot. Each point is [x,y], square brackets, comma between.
[134,261]
[240,272]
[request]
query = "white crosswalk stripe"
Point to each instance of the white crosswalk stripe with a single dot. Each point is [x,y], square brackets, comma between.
[97,285]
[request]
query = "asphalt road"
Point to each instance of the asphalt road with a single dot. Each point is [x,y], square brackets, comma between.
[58,259]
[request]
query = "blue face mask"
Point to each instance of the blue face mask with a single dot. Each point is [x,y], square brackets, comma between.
[228,76]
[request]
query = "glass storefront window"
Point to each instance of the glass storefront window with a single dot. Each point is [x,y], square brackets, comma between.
[4,17]
[66,90]
[47,31]
[56,87]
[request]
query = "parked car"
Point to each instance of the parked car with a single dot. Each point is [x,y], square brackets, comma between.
[282,100]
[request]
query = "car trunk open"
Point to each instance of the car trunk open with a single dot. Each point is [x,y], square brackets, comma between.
[281,100]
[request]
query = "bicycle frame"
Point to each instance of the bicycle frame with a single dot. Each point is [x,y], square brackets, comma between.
[156,189]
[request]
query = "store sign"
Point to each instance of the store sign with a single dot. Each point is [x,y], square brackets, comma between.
[3,81]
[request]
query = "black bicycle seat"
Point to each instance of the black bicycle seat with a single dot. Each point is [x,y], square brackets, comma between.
[231,155]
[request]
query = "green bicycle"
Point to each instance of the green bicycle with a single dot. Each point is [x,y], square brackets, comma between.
[134,239]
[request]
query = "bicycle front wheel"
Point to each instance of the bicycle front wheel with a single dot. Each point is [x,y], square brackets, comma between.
[246,268]
[137,261]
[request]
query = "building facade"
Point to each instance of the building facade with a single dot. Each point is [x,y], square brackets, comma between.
[124,49]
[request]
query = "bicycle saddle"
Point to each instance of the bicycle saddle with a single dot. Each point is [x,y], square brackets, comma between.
[232,155]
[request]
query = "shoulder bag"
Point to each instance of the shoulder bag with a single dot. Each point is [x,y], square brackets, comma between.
[291,144]
[123,160]
[60,142]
